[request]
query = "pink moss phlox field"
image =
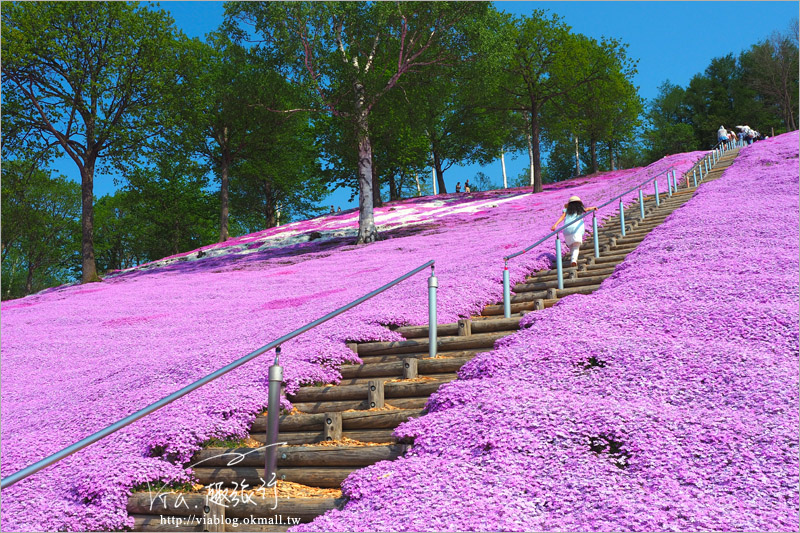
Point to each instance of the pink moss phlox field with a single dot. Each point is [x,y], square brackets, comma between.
[667,400]
[76,359]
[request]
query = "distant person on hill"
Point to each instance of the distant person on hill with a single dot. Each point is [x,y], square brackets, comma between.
[339,210]
[722,135]
[458,187]
[332,210]
[466,186]
[573,234]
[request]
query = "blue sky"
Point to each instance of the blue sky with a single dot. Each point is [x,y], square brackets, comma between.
[671,40]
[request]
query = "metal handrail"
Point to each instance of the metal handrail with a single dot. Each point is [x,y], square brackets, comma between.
[91,439]
[706,162]
[540,241]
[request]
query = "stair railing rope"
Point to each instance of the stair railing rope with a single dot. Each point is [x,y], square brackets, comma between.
[274,374]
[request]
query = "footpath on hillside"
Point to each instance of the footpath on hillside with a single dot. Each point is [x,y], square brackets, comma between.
[117,346]
[689,423]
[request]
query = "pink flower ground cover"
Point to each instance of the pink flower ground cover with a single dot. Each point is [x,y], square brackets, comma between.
[76,359]
[666,400]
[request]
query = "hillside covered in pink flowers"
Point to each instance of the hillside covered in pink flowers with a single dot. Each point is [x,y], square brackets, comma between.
[699,422]
[687,419]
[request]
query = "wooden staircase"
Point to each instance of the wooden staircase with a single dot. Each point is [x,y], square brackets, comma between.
[335,430]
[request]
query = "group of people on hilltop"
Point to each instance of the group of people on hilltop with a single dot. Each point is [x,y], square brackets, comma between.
[746,134]
[467,187]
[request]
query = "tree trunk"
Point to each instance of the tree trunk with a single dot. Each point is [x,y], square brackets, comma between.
[223,197]
[393,194]
[88,265]
[419,187]
[535,150]
[611,156]
[577,158]
[29,278]
[437,165]
[176,238]
[376,186]
[593,148]
[530,158]
[223,191]
[366,218]
[270,207]
[503,163]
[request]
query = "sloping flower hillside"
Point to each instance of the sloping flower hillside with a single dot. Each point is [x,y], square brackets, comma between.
[665,401]
[76,359]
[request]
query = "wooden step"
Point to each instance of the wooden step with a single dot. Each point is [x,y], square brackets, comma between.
[350,420]
[493,310]
[591,271]
[484,340]
[544,285]
[392,389]
[444,376]
[437,365]
[347,405]
[387,358]
[294,456]
[329,477]
[312,437]
[486,326]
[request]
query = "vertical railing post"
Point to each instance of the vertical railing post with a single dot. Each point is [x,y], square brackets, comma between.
[595,238]
[655,187]
[506,292]
[273,418]
[622,217]
[559,268]
[694,176]
[433,284]
[669,183]
[641,204]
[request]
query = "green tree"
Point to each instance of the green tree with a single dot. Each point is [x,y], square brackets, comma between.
[163,209]
[401,149]
[40,237]
[221,114]
[90,75]
[670,128]
[350,55]
[548,62]
[279,178]
[771,69]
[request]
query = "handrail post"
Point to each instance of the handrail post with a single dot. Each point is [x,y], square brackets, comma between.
[622,217]
[273,419]
[594,235]
[669,184]
[655,187]
[506,292]
[433,284]
[694,176]
[641,204]
[559,269]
